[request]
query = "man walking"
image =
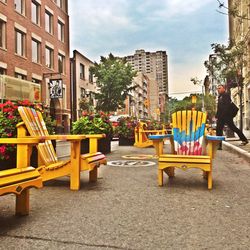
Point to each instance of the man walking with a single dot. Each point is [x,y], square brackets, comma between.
[224,115]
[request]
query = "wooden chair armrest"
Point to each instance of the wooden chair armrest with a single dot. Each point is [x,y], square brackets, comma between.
[160,137]
[20,141]
[153,131]
[93,142]
[63,137]
[215,138]
[213,142]
[95,136]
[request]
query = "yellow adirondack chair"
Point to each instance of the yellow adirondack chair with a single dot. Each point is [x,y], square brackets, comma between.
[19,180]
[190,146]
[49,166]
[141,135]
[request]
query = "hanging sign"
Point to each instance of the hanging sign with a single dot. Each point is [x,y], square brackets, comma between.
[56,88]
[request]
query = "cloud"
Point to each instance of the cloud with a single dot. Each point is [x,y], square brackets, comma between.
[185,29]
[168,9]
[102,16]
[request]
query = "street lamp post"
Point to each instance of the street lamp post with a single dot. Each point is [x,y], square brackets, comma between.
[196,81]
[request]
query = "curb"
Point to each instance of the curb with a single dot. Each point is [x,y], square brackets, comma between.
[237,150]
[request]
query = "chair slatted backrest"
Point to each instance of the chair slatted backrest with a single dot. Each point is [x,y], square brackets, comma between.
[188,131]
[35,125]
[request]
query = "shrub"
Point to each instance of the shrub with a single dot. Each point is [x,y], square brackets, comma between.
[93,123]
[126,127]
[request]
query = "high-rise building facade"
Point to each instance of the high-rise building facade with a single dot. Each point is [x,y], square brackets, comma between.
[34,46]
[155,66]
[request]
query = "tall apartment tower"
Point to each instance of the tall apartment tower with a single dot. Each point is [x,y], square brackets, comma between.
[155,66]
[34,47]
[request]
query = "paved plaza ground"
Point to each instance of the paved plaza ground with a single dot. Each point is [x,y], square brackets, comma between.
[126,209]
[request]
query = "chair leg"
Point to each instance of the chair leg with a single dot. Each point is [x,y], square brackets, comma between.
[209,180]
[22,203]
[93,175]
[75,181]
[169,171]
[160,177]
[204,174]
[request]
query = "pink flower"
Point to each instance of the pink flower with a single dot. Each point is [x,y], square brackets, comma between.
[2,149]
[10,117]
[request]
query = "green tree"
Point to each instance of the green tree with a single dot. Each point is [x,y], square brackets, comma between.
[228,66]
[114,80]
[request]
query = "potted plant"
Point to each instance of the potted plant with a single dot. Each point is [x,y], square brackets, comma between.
[9,118]
[94,123]
[125,130]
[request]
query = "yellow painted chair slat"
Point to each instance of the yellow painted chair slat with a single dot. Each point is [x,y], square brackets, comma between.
[188,146]
[50,167]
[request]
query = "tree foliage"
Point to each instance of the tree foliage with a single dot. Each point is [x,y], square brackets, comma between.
[227,67]
[114,80]
[228,64]
[175,105]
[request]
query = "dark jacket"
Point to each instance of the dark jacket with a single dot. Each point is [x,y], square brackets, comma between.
[223,107]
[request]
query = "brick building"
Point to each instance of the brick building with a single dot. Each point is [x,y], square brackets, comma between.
[34,46]
[83,85]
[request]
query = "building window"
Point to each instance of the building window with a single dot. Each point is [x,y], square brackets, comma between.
[49,55]
[60,28]
[35,12]
[60,3]
[20,43]
[61,63]
[36,81]
[90,77]
[48,22]
[20,76]
[36,54]
[82,71]
[2,34]
[20,6]
[2,71]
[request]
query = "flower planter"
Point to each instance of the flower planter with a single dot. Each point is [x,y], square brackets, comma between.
[123,141]
[104,146]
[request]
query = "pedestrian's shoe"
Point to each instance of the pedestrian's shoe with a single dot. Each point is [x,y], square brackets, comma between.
[243,143]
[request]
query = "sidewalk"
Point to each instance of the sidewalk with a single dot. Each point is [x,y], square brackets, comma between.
[233,145]
[126,210]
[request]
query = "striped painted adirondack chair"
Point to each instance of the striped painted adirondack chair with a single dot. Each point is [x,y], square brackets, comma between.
[49,165]
[191,147]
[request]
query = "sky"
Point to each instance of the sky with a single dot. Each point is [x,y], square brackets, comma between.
[185,29]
